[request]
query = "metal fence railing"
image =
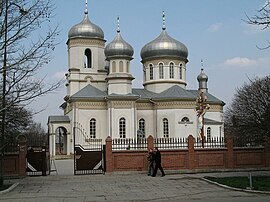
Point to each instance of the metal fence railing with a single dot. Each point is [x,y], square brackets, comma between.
[254,141]
[129,144]
[214,142]
[171,143]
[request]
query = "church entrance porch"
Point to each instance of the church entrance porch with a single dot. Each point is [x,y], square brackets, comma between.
[61,141]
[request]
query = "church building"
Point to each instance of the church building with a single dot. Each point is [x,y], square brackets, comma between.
[101,101]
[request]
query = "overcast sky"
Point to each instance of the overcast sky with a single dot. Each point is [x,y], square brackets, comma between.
[212,30]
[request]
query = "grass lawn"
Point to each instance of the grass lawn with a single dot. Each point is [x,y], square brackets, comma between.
[261,183]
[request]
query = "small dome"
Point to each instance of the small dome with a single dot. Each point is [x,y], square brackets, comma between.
[86,29]
[119,48]
[164,45]
[202,76]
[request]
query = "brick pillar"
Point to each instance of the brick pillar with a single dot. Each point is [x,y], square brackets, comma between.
[150,142]
[267,152]
[230,158]
[22,155]
[109,155]
[191,153]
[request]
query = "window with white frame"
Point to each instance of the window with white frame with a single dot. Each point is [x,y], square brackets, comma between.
[185,119]
[171,70]
[161,72]
[113,66]
[151,69]
[181,71]
[93,128]
[208,132]
[142,126]
[165,128]
[87,58]
[122,127]
[121,66]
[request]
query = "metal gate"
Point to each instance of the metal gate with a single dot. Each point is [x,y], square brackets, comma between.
[38,162]
[88,153]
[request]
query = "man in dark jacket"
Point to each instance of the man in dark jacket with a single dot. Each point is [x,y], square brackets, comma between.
[157,159]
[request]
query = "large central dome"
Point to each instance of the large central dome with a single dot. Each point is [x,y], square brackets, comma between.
[164,45]
[86,29]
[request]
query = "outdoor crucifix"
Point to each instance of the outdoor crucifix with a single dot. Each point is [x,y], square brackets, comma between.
[201,110]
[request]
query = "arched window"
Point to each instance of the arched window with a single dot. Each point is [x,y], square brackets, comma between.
[122,128]
[127,66]
[87,58]
[208,132]
[93,128]
[181,71]
[185,119]
[142,127]
[144,73]
[113,66]
[121,66]
[171,70]
[161,73]
[165,128]
[151,72]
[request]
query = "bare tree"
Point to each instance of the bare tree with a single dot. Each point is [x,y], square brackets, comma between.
[18,120]
[249,113]
[262,18]
[26,42]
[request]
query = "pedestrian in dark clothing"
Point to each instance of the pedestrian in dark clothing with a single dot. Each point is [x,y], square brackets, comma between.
[150,158]
[157,159]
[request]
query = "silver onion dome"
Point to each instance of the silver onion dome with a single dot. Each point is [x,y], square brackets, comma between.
[86,29]
[202,76]
[119,48]
[164,45]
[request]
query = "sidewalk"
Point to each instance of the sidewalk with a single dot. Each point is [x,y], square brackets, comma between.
[128,187]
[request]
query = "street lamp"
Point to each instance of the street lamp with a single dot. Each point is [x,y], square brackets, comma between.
[4,74]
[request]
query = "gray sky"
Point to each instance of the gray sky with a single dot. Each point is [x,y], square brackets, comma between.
[212,30]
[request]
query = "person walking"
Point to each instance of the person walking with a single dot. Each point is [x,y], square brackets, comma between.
[157,160]
[150,158]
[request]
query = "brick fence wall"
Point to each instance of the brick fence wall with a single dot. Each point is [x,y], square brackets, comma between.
[190,158]
[15,160]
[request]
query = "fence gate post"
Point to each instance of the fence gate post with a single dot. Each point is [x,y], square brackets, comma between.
[230,158]
[267,152]
[109,155]
[22,155]
[191,153]
[44,161]
[150,142]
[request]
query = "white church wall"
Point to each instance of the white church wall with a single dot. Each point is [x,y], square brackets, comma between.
[148,116]
[129,116]
[174,116]
[85,115]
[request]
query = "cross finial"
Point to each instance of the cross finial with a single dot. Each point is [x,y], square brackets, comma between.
[86,7]
[163,21]
[118,24]
[202,64]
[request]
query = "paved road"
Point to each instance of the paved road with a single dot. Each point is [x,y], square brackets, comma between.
[126,187]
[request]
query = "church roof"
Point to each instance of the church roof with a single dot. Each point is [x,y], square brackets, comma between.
[58,119]
[174,92]
[90,91]
[210,97]
[144,94]
[211,122]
